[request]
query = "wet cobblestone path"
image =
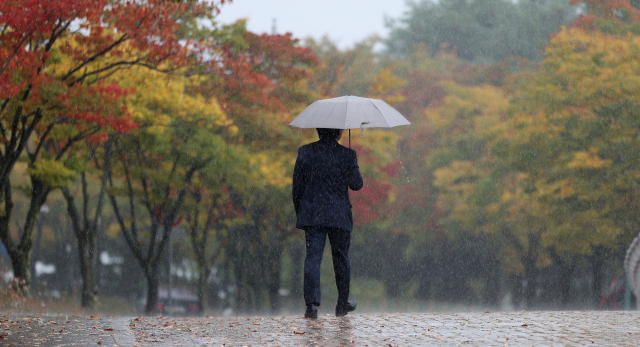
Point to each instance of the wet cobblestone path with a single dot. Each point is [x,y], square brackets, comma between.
[546,328]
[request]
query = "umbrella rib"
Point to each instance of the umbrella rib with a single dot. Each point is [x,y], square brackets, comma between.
[383,117]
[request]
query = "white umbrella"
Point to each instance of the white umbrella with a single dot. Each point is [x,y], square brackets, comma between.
[349,112]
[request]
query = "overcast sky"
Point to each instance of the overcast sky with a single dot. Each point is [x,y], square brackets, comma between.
[344,21]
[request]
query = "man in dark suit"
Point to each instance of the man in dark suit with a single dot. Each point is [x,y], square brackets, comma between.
[323,173]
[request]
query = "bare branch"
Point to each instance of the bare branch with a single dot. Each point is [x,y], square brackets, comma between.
[103,184]
[75,139]
[15,51]
[33,155]
[132,212]
[72,211]
[5,235]
[94,57]
[109,67]
[85,200]
[134,245]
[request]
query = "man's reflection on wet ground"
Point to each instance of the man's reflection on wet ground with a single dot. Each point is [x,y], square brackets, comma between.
[329,332]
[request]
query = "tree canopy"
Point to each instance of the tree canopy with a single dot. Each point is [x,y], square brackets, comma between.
[484,31]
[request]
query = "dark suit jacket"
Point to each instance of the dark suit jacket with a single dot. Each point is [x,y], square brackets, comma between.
[323,174]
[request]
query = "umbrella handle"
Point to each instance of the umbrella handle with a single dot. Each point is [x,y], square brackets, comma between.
[362,128]
[349,138]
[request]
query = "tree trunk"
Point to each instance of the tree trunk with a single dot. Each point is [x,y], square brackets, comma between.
[492,286]
[597,262]
[531,276]
[565,265]
[565,286]
[20,254]
[36,250]
[89,289]
[152,291]
[203,275]
[297,256]
[86,231]
[86,238]
[517,288]
[21,271]
[273,262]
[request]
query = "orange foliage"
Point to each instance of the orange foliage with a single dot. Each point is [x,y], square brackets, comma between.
[605,9]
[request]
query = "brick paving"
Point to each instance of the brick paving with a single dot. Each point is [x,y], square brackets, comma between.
[536,328]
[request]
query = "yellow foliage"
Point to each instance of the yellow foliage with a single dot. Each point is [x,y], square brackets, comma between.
[160,98]
[272,169]
[386,86]
[53,173]
[473,110]
[457,184]
[113,231]
[590,159]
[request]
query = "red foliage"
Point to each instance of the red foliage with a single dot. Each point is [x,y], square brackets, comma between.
[392,170]
[368,202]
[261,74]
[107,34]
[420,91]
[605,9]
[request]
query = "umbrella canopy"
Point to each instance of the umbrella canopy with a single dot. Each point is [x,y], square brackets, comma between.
[349,112]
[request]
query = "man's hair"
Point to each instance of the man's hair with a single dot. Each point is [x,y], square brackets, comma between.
[328,133]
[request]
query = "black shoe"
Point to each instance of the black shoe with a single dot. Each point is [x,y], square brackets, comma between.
[342,310]
[312,311]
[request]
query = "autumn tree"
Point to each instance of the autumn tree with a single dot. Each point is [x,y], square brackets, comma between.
[343,72]
[261,83]
[211,211]
[179,135]
[90,160]
[47,107]
[573,135]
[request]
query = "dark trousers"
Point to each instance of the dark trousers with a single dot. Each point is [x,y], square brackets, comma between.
[339,240]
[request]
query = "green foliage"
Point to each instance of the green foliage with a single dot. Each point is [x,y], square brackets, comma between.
[479,31]
[52,173]
[349,72]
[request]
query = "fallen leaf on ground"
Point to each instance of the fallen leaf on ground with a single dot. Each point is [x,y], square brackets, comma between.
[298,332]
[524,325]
[108,329]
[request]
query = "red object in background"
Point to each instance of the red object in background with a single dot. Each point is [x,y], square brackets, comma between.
[614,299]
[161,217]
